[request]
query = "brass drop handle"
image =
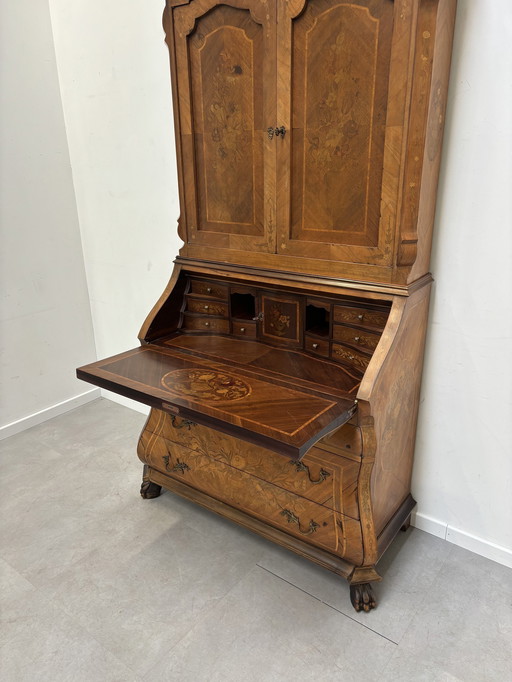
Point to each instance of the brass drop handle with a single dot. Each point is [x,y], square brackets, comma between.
[291,518]
[179,466]
[300,466]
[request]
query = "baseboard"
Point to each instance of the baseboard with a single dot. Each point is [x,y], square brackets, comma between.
[429,525]
[48,413]
[458,537]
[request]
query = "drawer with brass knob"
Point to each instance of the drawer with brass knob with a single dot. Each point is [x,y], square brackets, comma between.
[205,307]
[355,337]
[212,289]
[203,324]
[351,357]
[245,330]
[373,319]
[315,345]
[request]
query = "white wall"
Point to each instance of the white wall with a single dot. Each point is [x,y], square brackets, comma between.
[46,328]
[114,81]
[114,75]
[463,465]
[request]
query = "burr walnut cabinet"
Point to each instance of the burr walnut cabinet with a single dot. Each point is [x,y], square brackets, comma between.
[282,363]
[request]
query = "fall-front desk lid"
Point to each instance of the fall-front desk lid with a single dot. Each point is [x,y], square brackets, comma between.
[263,395]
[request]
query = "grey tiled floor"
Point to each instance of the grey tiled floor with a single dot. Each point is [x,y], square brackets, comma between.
[99,585]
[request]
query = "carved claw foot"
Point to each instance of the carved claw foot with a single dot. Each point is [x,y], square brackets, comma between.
[150,490]
[362,597]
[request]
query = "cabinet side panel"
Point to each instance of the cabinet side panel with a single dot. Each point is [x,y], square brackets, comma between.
[394,402]
[433,137]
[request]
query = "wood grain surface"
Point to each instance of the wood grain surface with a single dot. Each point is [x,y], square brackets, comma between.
[277,413]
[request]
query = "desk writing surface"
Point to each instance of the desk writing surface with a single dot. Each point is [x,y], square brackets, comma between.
[282,412]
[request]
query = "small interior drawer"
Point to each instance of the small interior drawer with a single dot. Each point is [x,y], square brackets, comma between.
[207,307]
[374,319]
[355,337]
[205,324]
[245,329]
[318,346]
[212,289]
[350,357]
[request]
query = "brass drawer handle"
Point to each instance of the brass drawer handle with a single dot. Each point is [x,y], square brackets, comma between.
[179,466]
[300,466]
[291,518]
[315,346]
[182,424]
[208,290]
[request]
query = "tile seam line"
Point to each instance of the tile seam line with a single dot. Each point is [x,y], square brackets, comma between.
[328,605]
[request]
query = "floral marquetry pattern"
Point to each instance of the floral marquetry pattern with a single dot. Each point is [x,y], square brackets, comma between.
[208,386]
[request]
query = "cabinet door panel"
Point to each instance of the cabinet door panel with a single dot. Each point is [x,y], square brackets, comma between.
[227,101]
[340,199]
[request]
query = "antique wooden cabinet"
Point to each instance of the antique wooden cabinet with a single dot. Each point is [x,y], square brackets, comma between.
[283,361]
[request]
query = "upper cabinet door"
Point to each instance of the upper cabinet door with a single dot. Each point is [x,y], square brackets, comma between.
[342,79]
[225,82]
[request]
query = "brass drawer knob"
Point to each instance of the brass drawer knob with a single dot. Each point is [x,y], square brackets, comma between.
[360,317]
[242,330]
[206,307]
[356,339]
[315,346]
[206,324]
[208,290]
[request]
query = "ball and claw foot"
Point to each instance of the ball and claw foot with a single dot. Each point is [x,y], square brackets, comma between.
[362,597]
[150,490]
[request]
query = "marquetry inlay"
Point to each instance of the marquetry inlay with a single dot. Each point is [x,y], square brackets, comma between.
[206,385]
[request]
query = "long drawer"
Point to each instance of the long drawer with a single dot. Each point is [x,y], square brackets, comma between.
[319,525]
[321,477]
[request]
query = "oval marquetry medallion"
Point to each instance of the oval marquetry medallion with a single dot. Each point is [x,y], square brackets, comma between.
[206,385]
